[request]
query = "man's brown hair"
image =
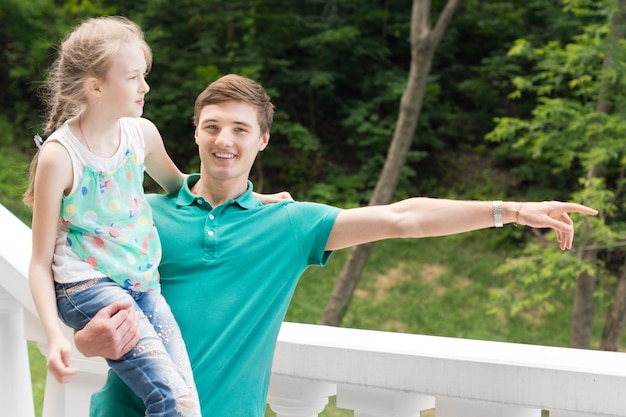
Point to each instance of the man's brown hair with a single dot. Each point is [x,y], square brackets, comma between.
[235,87]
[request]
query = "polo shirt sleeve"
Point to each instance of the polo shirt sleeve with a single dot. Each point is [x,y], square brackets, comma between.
[115,399]
[313,222]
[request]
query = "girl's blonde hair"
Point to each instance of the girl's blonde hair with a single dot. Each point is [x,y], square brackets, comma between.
[87,51]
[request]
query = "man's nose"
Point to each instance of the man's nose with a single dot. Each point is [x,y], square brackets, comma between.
[224,138]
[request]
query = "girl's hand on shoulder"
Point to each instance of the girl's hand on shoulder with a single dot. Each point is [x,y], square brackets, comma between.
[273,198]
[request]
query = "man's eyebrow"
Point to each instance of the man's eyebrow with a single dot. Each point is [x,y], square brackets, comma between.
[236,122]
[246,124]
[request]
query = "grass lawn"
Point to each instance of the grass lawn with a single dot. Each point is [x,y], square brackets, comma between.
[38,375]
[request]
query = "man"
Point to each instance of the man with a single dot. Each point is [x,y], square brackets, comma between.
[230,264]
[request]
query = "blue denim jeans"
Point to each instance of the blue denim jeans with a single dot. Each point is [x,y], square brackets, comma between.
[157,369]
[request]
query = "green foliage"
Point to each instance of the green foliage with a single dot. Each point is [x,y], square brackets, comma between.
[565,129]
[14,172]
[577,127]
[335,72]
[13,182]
[536,277]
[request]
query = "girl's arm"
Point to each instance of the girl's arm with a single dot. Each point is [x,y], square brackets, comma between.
[53,178]
[158,163]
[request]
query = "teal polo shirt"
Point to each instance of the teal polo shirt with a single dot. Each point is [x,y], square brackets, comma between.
[228,273]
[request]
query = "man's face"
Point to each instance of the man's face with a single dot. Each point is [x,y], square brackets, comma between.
[229,138]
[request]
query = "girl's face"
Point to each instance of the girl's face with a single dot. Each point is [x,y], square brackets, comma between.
[125,87]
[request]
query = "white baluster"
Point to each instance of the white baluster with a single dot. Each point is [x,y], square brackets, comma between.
[72,399]
[449,407]
[294,397]
[16,393]
[371,402]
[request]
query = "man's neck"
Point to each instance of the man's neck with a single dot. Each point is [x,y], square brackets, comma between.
[218,192]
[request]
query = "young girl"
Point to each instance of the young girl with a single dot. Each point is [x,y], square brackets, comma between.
[94,241]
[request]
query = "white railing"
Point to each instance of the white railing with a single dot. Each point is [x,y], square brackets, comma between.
[373,373]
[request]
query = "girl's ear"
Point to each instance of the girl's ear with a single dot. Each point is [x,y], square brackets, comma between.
[92,85]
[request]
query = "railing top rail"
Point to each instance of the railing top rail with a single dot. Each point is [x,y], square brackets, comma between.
[467,350]
[15,249]
[545,377]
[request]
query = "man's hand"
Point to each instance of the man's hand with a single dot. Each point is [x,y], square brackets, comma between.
[112,332]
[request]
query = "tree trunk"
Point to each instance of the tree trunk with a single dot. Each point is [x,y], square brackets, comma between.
[424,42]
[584,308]
[616,317]
[584,302]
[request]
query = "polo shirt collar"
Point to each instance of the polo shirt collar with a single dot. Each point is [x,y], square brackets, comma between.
[187,198]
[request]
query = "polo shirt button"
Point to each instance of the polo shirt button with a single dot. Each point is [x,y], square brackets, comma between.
[199,201]
[211,233]
[212,217]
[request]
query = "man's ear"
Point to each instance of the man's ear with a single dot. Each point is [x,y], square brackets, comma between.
[195,135]
[264,140]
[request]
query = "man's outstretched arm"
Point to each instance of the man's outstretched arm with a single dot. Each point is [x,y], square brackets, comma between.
[428,217]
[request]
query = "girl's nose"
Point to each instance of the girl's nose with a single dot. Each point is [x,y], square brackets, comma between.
[145,87]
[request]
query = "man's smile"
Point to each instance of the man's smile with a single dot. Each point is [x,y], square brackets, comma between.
[224,155]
